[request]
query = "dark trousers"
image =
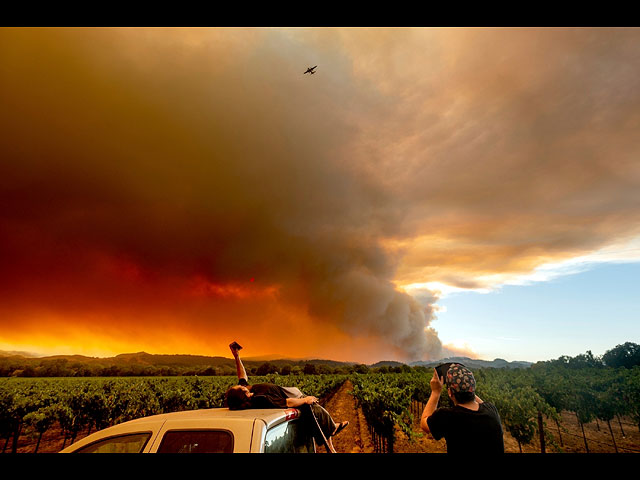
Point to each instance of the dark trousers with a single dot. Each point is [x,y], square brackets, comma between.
[316,417]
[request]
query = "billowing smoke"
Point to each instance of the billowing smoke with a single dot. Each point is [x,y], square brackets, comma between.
[180,187]
[135,161]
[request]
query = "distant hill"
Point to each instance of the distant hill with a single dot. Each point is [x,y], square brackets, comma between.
[143,359]
[11,353]
[386,363]
[475,363]
[162,360]
[469,362]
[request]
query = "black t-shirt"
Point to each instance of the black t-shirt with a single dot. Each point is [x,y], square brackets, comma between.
[468,431]
[266,395]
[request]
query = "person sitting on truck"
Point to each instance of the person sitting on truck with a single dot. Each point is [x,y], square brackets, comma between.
[471,425]
[270,395]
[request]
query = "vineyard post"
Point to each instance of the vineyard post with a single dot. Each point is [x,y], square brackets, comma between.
[621,429]
[75,427]
[16,436]
[559,433]
[541,431]
[373,439]
[583,434]
[612,437]
[38,442]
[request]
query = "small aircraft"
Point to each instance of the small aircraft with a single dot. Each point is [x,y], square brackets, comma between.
[310,70]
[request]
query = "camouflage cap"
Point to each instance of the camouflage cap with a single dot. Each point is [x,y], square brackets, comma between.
[460,379]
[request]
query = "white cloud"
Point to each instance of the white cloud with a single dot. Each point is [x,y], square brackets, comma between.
[623,252]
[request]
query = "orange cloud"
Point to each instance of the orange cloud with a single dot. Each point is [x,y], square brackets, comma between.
[149,174]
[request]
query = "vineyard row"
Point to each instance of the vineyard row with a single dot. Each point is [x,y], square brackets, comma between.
[33,406]
[525,398]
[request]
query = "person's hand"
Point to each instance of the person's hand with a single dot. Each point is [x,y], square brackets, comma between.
[234,350]
[310,400]
[436,383]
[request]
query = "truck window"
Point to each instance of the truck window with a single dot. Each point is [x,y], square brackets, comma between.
[130,443]
[197,441]
[288,437]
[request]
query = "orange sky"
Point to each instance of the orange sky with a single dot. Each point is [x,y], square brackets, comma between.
[171,190]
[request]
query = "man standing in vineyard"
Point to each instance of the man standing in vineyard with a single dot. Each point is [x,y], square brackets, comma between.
[270,395]
[471,425]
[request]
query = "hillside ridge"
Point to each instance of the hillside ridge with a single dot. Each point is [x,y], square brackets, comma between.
[144,358]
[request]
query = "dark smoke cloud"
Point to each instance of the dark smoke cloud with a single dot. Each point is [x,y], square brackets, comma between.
[142,165]
[190,154]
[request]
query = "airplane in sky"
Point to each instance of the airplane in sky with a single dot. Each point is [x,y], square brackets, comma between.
[310,70]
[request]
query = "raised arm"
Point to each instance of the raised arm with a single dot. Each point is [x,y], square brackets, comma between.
[432,403]
[242,373]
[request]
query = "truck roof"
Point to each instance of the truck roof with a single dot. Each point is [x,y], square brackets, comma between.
[268,415]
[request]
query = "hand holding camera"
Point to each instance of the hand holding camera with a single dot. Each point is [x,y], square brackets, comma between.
[436,382]
[235,348]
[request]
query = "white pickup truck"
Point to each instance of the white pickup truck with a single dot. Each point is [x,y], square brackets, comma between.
[216,430]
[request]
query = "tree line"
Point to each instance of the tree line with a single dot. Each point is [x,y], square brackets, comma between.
[626,355]
[30,368]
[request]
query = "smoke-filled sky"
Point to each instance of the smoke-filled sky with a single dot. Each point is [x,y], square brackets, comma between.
[173,189]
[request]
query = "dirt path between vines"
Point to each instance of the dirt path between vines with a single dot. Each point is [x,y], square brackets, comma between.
[355,438]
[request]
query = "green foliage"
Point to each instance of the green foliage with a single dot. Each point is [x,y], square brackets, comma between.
[630,391]
[385,399]
[626,355]
[96,403]
[33,405]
